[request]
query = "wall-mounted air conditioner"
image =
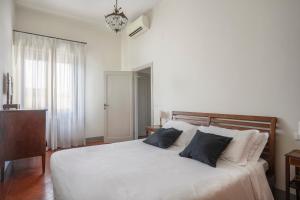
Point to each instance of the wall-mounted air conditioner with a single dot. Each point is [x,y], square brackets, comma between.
[139,26]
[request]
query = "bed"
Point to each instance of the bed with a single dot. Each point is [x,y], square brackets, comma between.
[134,170]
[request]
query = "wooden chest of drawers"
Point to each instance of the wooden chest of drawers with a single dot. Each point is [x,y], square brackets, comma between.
[22,135]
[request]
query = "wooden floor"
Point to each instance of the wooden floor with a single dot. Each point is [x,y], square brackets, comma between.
[25,181]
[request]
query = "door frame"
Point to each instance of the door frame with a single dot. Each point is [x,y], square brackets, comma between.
[135,91]
[131,104]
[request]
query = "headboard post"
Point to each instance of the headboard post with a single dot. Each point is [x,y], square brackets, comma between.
[272,144]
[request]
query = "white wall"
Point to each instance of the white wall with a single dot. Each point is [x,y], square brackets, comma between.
[6,26]
[103,53]
[235,56]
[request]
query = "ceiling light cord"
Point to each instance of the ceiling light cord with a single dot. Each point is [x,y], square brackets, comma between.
[116,7]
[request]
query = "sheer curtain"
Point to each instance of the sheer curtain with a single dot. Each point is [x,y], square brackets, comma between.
[49,73]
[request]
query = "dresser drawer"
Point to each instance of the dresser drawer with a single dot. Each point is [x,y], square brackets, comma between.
[23,133]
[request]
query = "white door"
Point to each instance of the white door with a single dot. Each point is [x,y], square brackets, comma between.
[118,106]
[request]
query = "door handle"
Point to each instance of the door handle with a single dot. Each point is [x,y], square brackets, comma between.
[105,106]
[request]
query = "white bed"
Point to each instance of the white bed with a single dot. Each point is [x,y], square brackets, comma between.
[136,171]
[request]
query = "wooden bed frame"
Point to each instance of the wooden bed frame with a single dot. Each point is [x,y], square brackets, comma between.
[239,122]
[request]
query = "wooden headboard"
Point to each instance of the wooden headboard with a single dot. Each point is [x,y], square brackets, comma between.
[239,122]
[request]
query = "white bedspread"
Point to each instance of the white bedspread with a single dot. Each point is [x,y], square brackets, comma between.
[137,171]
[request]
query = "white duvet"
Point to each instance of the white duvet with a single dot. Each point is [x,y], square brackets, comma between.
[137,171]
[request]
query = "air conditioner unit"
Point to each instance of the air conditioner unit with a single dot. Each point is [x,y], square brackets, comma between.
[139,26]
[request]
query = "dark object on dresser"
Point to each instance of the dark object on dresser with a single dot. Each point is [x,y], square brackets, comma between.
[11,106]
[8,89]
[22,135]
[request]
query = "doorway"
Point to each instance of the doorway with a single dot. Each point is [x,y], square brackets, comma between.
[143,100]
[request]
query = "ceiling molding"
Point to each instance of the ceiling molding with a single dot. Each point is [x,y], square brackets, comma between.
[58,14]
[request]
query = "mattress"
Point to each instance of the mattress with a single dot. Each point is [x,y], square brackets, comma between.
[137,171]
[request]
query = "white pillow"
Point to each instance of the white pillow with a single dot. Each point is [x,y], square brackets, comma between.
[259,143]
[238,149]
[188,133]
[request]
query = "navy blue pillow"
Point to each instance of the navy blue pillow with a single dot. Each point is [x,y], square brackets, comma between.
[206,148]
[163,138]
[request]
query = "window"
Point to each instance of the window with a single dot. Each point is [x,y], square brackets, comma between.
[49,74]
[35,84]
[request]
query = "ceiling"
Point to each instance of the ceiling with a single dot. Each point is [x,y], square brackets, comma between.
[91,11]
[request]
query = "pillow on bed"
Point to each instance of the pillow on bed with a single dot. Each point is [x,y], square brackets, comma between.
[259,142]
[163,138]
[206,148]
[188,131]
[239,148]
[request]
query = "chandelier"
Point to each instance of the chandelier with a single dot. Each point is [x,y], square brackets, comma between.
[116,20]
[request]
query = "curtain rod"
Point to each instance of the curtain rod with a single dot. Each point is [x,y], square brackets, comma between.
[49,36]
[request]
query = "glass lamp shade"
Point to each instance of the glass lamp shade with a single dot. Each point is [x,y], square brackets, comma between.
[116,21]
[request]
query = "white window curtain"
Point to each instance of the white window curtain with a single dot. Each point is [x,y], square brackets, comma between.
[49,73]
